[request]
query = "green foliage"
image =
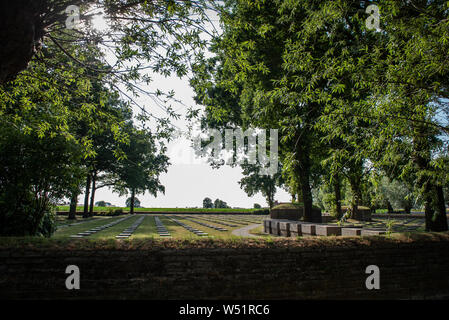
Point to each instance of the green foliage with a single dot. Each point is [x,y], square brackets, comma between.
[220,204]
[136,202]
[207,203]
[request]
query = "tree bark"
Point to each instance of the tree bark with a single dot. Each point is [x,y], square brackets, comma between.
[355,178]
[92,197]
[337,191]
[270,196]
[131,206]
[389,207]
[304,180]
[86,196]
[73,203]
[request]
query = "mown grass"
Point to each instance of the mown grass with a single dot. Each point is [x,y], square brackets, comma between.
[177,231]
[114,230]
[126,209]
[212,232]
[147,229]
[68,231]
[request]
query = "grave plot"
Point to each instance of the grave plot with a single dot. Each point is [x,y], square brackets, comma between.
[227,219]
[189,228]
[97,229]
[236,219]
[206,224]
[161,229]
[129,231]
[73,224]
[219,222]
[408,226]
[250,219]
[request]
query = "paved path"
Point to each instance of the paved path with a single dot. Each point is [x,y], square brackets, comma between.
[244,232]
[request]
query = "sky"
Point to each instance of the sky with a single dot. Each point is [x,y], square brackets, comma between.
[189,179]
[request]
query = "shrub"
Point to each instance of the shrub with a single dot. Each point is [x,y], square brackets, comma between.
[48,224]
[118,212]
[262,211]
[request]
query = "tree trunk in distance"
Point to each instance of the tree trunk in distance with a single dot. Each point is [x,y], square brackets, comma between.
[337,191]
[92,197]
[389,207]
[133,195]
[86,196]
[73,203]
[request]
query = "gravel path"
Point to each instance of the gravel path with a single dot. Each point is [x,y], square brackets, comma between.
[244,232]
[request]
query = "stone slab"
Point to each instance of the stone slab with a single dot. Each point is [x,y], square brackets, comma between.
[308,229]
[295,229]
[327,230]
[368,232]
[284,229]
[351,231]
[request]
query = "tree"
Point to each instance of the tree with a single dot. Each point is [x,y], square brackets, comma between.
[220,204]
[253,182]
[139,171]
[207,203]
[100,203]
[28,24]
[248,66]
[257,206]
[34,174]
[135,205]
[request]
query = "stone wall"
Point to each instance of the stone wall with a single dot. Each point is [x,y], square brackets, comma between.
[284,269]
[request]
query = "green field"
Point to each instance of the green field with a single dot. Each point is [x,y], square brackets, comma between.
[126,209]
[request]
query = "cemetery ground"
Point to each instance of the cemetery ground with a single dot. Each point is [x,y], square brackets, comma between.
[196,226]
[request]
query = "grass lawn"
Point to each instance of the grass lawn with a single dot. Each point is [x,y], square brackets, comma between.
[68,231]
[147,229]
[126,209]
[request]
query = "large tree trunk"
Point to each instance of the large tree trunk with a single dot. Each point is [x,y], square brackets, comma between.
[389,207]
[434,205]
[303,172]
[355,179]
[73,203]
[337,191]
[131,206]
[21,32]
[23,24]
[270,196]
[92,196]
[86,196]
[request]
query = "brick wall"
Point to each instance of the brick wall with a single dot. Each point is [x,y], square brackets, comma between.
[282,269]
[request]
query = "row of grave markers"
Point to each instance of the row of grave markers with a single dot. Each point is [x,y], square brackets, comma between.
[189,228]
[129,231]
[206,224]
[161,229]
[97,229]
